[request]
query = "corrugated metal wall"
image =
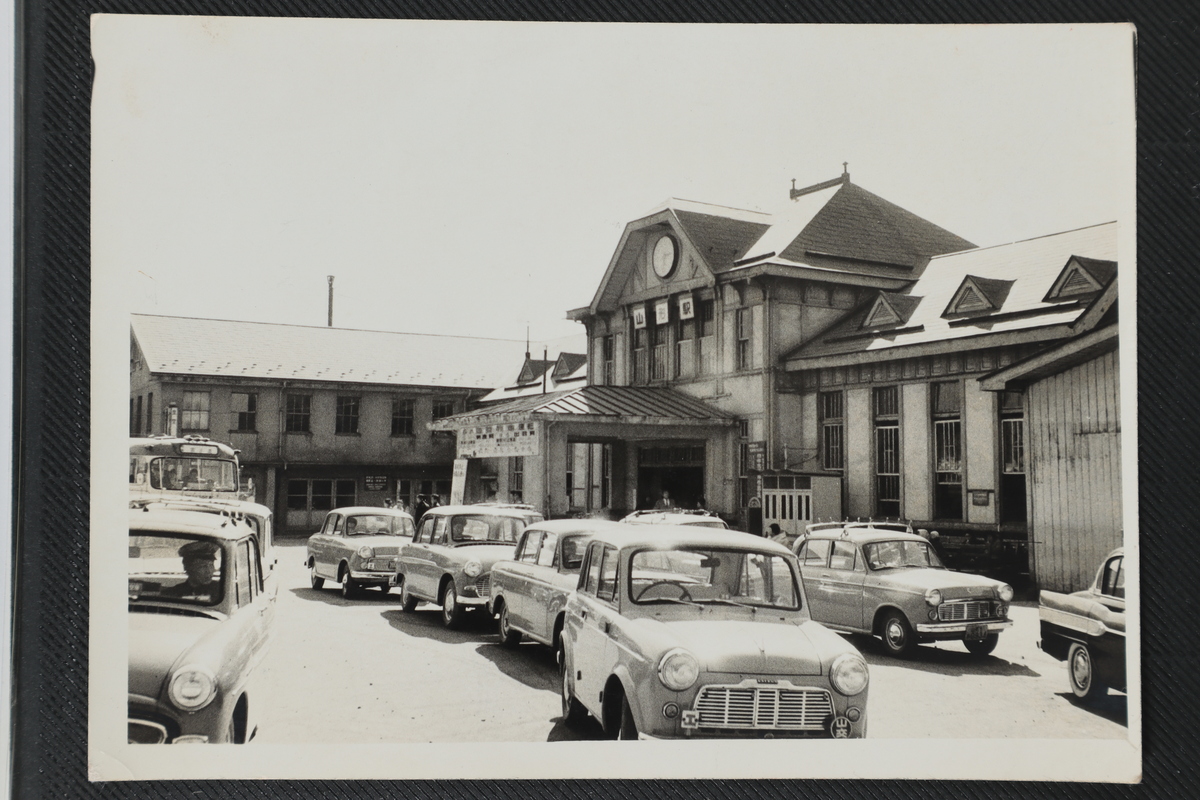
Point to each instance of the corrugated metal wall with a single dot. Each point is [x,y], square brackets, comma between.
[1074,425]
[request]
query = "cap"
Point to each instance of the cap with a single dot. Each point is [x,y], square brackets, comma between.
[199,550]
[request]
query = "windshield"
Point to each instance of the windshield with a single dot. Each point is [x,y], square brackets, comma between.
[195,474]
[700,575]
[379,525]
[485,528]
[897,555]
[181,569]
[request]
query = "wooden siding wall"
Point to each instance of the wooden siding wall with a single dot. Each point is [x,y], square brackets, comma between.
[1074,421]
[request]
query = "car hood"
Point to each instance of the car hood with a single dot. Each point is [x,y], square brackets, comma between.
[377,542]
[486,554]
[745,646]
[156,641]
[943,579]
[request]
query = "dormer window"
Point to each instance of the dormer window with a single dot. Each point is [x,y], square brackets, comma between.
[890,310]
[1079,278]
[976,296]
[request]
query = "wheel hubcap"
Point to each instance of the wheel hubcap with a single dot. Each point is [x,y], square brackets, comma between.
[1081,669]
[895,634]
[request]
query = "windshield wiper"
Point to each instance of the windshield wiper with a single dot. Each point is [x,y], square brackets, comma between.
[679,600]
[727,601]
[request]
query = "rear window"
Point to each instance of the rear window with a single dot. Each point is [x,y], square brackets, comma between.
[485,529]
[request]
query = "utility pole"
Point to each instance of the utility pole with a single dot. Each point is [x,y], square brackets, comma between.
[330,322]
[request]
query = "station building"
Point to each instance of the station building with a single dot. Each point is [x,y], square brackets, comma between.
[844,358]
[322,417]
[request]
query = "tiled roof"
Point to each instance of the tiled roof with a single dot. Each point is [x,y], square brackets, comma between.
[568,372]
[1030,266]
[721,240]
[617,402]
[224,348]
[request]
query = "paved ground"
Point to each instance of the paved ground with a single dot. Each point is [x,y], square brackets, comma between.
[365,671]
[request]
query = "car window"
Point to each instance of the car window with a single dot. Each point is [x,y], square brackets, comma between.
[529,547]
[379,525]
[842,556]
[815,553]
[426,534]
[243,596]
[545,556]
[1114,578]
[337,524]
[327,528]
[256,578]
[900,554]
[606,589]
[700,575]
[176,568]
[570,557]
[439,530]
[593,569]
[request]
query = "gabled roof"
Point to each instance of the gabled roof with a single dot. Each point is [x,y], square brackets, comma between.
[258,350]
[1080,277]
[890,309]
[569,370]
[612,403]
[1029,268]
[977,296]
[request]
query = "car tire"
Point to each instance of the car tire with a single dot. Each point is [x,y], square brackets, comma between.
[508,636]
[349,587]
[231,730]
[383,588]
[407,601]
[898,637]
[452,612]
[314,580]
[573,712]
[983,647]
[1081,672]
[628,729]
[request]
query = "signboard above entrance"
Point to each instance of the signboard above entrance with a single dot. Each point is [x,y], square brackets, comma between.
[499,441]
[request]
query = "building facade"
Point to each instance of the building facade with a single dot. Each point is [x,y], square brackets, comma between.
[322,417]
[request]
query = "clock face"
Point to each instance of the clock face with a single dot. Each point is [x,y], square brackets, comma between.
[666,255]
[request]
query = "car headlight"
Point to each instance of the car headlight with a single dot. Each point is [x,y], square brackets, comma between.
[678,670]
[849,674]
[366,552]
[1006,593]
[933,597]
[472,569]
[192,687]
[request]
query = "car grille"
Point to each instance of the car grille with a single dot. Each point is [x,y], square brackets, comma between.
[145,732]
[386,551]
[763,707]
[965,610]
[483,586]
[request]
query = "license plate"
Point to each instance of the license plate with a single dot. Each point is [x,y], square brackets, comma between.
[977,631]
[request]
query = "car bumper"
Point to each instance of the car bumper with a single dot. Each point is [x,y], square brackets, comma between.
[383,578]
[951,629]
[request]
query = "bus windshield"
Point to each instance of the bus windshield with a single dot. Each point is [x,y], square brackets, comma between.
[196,474]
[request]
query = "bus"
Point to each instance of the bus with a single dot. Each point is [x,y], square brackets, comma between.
[182,466]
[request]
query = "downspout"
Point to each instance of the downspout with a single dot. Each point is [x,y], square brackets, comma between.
[768,377]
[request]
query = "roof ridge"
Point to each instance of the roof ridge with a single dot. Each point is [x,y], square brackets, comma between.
[1022,241]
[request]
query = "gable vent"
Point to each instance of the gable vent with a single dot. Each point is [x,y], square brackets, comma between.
[971,301]
[1077,283]
[881,314]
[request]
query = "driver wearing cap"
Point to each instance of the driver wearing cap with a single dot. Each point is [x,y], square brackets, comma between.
[200,564]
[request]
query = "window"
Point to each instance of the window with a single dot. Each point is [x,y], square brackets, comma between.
[194,412]
[887,450]
[529,547]
[1012,457]
[658,341]
[685,353]
[705,325]
[1113,582]
[843,556]
[545,556]
[245,408]
[832,429]
[346,420]
[297,495]
[441,410]
[150,414]
[320,494]
[745,342]
[516,479]
[137,420]
[298,413]
[608,351]
[132,418]
[641,371]
[402,417]
[242,593]
[606,589]
[815,553]
[593,568]
[946,399]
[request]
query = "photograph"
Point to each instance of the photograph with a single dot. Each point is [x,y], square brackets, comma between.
[503,392]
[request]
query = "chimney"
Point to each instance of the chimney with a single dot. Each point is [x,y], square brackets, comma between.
[330,323]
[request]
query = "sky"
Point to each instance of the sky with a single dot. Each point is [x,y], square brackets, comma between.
[474,178]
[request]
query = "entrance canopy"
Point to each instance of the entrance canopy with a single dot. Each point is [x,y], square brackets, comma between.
[632,405]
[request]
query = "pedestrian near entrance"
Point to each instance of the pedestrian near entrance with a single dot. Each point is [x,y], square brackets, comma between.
[775,533]
[421,507]
[664,501]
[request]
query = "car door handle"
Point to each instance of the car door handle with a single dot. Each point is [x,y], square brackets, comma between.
[583,614]
[606,626]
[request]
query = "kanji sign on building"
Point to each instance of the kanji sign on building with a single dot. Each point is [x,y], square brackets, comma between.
[500,440]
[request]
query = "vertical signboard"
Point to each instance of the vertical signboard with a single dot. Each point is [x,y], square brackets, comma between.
[458,485]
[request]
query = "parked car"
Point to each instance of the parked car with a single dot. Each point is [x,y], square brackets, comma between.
[199,626]
[880,579]
[687,632]
[529,593]
[676,516]
[1087,630]
[449,561]
[358,546]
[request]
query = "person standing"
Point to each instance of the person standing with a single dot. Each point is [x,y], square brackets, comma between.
[420,508]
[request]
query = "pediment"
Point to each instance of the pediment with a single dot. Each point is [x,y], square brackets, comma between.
[890,310]
[976,296]
[1080,278]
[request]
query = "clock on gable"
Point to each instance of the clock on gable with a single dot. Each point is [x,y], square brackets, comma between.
[665,256]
